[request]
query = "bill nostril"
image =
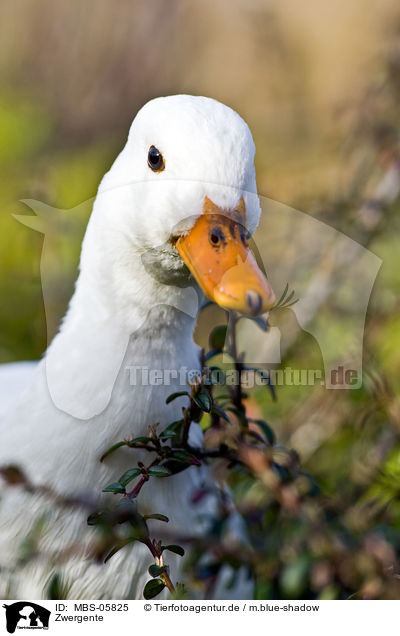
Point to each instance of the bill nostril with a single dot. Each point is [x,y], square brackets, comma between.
[253,301]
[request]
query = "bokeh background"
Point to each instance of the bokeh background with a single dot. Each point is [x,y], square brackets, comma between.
[319,85]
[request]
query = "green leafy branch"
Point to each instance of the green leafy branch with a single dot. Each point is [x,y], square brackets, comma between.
[172,453]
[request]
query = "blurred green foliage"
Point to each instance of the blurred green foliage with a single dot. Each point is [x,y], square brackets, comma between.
[34,168]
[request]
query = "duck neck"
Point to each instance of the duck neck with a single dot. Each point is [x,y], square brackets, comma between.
[115,288]
[120,316]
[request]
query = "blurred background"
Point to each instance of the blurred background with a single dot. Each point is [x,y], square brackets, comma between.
[319,85]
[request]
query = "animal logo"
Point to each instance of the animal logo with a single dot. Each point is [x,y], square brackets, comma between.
[26,615]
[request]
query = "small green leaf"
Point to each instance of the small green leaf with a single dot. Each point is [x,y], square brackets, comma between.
[185,457]
[173,396]
[139,440]
[112,449]
[157,516]
[175,467]
[218,337]
[167,434]
[115,488]
[129,475]
[117,548]
[175,427]
[203,401]
[156,570]
[153,588]
[158,471]
[220,412]
[177,549]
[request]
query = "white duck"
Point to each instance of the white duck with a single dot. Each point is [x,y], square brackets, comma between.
[186,159]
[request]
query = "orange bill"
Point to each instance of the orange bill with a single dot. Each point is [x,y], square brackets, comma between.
[216,252]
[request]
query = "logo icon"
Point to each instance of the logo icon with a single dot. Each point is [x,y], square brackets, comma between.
[26,615]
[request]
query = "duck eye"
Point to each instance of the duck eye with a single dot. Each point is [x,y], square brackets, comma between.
[216,236]
[155,159]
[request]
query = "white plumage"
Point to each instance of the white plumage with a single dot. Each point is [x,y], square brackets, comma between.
[80,400]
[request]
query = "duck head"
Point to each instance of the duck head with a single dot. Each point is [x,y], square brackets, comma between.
[184,194]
